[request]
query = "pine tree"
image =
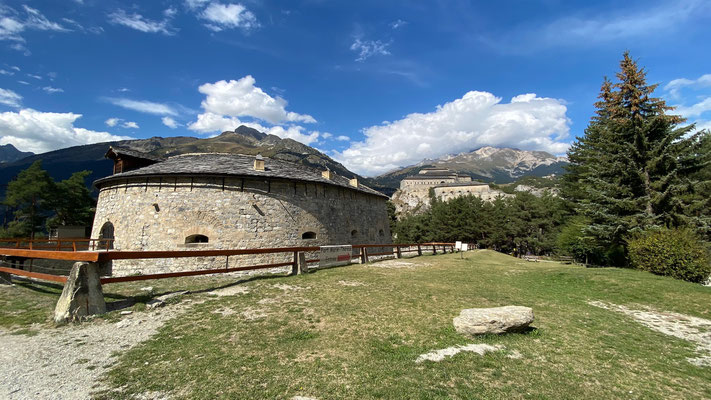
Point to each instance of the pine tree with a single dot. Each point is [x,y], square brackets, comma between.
[28,193]
[635,165]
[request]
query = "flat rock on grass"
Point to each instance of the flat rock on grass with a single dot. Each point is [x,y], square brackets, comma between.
[479,321]
[439,355]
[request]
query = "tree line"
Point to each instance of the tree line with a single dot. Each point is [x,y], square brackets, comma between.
[38,203]
[637,170]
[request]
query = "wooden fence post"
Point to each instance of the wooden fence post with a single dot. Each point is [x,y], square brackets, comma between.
[419,250]
[399,252]
[434,250]
[364,255]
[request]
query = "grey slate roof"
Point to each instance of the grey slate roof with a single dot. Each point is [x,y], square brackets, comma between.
[132,153]
[219,164]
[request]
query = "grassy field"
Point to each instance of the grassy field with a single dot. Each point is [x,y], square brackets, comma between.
[355,332]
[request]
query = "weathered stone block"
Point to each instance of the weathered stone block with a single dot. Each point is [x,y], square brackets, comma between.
[82,294]
[479,321]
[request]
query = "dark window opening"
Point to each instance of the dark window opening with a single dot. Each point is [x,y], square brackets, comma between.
[196,239]
[381,233]
[354,233]
[308,235]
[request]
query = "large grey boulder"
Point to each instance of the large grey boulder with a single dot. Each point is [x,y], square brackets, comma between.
[82,294]
[479,321]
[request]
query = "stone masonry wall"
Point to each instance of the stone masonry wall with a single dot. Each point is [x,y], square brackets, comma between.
[234,213]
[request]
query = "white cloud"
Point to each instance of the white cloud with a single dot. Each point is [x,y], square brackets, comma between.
[138,22]
[50,89]
[343,138]
[398,24]
[607,26]
[6,72]
[12,24]
[39,78]
[147,107]
[477,119]
[169,122]
[23,82]
[130,125]
[242,99]
[226,16]
[694,110]
[10,98]
[674,87]
[36,20]
[369,48]
[36,131]
[15,68]
[326,135]
[209,123]
[195,4]
[112,121]
[212,123]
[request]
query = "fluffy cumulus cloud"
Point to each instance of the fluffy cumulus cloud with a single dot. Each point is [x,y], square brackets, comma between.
[9,98]
[241,98]
[36,131]
[227,16]
[477,119]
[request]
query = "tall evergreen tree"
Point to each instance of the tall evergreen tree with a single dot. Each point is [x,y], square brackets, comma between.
[634,165]
[28,194]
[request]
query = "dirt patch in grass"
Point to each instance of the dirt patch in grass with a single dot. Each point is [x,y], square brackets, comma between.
[233,290]
[351,283]
[693,329]
[396,264]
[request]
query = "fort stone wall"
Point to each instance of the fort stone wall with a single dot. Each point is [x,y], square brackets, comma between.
[231,213]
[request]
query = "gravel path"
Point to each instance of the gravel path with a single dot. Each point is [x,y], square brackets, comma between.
[66,362]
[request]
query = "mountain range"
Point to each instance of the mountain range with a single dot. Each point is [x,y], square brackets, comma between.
[501,165]
[8,153]
[487,164]
[244,140]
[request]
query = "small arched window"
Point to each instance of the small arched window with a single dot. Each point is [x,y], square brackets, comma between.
[196,239]
[354,233]
[308,235]
[381,233]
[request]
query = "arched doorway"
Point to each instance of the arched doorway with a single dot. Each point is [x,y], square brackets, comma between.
[106,236]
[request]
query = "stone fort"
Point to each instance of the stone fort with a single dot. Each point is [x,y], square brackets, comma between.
[414,193]
[228,201]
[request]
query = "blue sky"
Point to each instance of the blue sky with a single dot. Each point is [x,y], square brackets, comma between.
[374,84]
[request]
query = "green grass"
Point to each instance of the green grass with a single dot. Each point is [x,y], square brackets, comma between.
[327,340]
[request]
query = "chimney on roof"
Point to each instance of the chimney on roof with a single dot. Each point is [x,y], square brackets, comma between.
[326,174]
[353,182]
[259,163]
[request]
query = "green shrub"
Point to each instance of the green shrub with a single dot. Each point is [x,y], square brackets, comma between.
[678,253]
